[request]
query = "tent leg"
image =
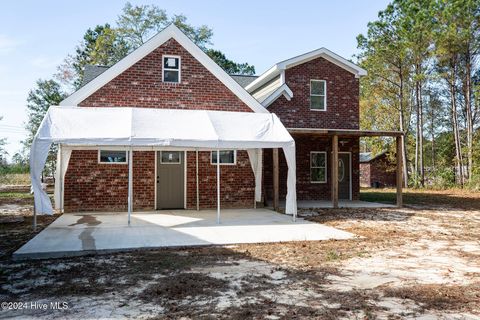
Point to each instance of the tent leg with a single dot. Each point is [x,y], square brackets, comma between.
[60,176]
[196,179]
[218,186]
[34,218]
[130,183]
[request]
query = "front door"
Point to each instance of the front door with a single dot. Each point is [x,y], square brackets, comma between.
[344,175]
[170,180]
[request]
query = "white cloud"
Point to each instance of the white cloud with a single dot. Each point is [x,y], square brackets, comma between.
[7,44]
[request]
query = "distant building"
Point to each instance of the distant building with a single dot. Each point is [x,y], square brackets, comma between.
[377,171]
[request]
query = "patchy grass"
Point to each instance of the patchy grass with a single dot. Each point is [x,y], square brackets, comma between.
[458,198]
[411,262]
[15,179]
[440,297]
[16,195]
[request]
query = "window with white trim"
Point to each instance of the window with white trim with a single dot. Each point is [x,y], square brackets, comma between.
[226,157]
[318,95]
[318,167]
[112,156]
[170,157]
[171,69]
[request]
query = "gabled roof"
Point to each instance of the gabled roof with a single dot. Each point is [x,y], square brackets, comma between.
[91,72]
[368,156]
[274,93]
[243,80]
[278,68]
[166,34]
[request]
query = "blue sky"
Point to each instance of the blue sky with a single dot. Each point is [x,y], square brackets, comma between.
[35,36]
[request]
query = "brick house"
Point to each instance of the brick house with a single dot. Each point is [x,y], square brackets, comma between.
[315,95]
[377,171]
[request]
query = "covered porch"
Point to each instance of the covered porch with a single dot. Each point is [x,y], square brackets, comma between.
[329,187]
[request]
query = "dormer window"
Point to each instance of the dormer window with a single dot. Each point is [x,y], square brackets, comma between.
[318,95]
[171,69]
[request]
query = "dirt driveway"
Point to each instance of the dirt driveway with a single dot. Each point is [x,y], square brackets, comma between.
[419,262]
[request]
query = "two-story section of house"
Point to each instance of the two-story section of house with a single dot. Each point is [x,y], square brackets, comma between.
[312,94]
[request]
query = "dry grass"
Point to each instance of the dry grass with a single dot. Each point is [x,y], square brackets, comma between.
[457,198]
[15,179]
[430,256]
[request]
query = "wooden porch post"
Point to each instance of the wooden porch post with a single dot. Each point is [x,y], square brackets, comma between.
[335,171]
[399,171]
[275,180]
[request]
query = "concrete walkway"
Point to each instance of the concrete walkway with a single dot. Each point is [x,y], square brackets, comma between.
[80,234]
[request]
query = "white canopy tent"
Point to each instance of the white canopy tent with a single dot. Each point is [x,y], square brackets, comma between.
[155,129]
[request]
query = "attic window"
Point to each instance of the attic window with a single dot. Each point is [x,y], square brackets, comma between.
[318,95]
[171,69]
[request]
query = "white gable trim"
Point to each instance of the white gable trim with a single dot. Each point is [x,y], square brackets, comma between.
[292,62]
[282,90]
[169,32]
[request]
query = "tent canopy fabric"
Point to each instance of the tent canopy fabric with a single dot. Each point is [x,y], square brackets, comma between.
[158,128]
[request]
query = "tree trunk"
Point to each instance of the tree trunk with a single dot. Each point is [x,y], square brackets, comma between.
[468,112]
[417,133]
[420,136]
[456,135]
[402,129]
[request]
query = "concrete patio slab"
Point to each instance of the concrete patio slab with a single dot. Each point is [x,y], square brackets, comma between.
[86,233]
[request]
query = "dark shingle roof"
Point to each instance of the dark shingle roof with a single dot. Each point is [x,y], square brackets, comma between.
[91,72]
[243,80]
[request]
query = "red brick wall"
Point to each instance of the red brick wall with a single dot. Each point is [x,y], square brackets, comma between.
[305,189]
[342,97]
[365,174]
[237,182]
[141,86]
[91,186]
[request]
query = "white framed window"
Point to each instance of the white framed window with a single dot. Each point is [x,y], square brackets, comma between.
[227,157]
[318,95]
[318,167]
[112,156]
[170,157]
[171,66]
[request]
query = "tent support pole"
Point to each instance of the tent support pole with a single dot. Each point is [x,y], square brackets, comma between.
[196,178]
[218,186]
[60,177]
[130,183]
[276,206]
[34,217]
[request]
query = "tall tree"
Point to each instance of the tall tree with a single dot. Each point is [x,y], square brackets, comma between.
[101,45]
[231,67]
[46,93]
[384,53]
[447,46]
[106,45]
[3,152]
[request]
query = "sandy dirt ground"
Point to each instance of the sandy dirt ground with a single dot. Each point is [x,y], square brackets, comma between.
[419,262]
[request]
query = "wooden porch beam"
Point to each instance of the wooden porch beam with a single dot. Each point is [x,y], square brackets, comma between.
[334,169]
[275,180]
